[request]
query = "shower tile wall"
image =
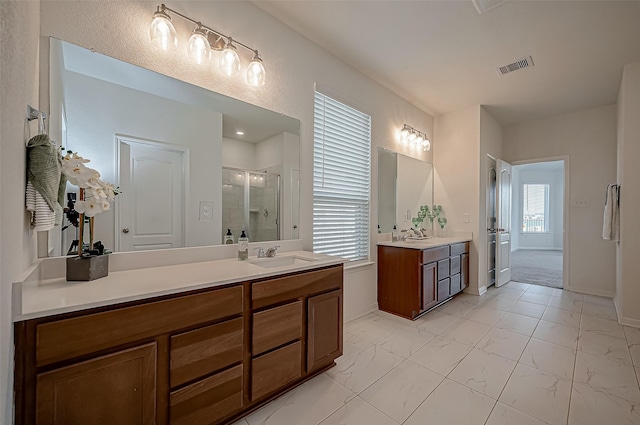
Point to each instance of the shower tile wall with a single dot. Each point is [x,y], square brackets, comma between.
[232,203]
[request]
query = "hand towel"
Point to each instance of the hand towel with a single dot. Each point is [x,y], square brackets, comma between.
[44,170]
[42,217]
[611,221]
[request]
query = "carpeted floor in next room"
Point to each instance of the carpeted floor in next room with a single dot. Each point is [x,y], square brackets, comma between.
[539,267]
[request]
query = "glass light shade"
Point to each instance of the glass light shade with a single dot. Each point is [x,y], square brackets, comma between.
[412,137]
[419,141]
[426,145]
[163,34]
[229,60]
[256,75]
[404,133]
[198,48]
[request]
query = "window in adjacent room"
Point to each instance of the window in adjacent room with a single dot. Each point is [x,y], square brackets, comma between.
[535,208]
[341,179]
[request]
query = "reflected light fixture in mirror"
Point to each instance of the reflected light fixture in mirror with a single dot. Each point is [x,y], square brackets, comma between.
[413,137]
[204,39]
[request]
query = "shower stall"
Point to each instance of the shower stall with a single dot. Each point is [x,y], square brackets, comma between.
[251,202]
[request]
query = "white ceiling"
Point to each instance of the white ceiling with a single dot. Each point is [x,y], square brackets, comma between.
[442,55]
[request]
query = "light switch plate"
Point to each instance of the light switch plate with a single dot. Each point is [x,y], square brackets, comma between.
[466,217]
[206,211]
[581,202]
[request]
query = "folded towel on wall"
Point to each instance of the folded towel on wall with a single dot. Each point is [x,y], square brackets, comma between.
[44,172]
[42,216]
[611,222]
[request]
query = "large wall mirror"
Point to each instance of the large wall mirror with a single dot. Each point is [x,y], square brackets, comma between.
[404,184]
[190,163]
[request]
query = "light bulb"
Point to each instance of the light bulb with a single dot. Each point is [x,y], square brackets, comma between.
[426,145]
[412,137]
[198,48]
[256,74]
[229,60]
[419,141]
[404,133]
[162,32]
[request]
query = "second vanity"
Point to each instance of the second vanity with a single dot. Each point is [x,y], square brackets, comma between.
[217,344]
[416,276]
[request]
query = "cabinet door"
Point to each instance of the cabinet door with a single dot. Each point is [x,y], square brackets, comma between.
[429,284]
[118,388]
[444,289]
[464,271]
[324,329]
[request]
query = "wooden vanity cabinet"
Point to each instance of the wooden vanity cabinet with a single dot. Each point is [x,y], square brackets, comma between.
[412,281]
[199,358]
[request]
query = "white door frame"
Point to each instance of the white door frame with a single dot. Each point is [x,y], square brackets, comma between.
[122,138]
[565,214]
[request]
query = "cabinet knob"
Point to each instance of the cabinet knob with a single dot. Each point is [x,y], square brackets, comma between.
[125,230]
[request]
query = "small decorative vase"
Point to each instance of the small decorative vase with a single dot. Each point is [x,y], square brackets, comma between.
[87,268]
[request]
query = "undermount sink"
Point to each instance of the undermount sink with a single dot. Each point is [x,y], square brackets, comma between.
[272,262]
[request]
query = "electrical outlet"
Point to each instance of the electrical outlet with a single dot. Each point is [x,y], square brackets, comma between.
[206,211]
[466,218]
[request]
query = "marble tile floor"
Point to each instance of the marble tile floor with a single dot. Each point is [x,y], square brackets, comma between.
[519,355]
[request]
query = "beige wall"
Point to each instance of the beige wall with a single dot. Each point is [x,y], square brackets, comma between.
[19,76]
[589,139]
[628,250]
[121,29]
[457,170]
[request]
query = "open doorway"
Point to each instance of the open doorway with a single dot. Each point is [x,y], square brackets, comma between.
[537,220]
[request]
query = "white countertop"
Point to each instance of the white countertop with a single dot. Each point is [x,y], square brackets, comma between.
[41,298]
[426,243]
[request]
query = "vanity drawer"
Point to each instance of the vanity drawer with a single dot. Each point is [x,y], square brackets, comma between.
[77,336]
[274,370]
[444,289]
[209,400]
[459,248]
[454,266]
[455,284]
[205,350]
[276,326]
[274,291]
[434,254]
[443,269]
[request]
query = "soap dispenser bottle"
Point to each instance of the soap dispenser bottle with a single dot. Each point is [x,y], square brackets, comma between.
[394,234]
[243,247]
[228,238]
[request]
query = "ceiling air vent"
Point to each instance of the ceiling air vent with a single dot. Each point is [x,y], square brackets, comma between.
[519,64]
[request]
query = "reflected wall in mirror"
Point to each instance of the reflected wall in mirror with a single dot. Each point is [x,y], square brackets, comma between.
[404,183]
[171,147]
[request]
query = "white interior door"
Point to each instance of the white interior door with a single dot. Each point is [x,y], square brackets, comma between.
[491,221]
[151,205]
[503,216]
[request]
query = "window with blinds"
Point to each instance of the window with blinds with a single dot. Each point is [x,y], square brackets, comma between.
[535,208]
[341,179]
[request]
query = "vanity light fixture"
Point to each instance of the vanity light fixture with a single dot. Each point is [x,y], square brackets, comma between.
[415,138]
[203,40]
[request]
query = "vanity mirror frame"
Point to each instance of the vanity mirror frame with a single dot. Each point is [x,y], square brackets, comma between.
[401,185]
[289,130]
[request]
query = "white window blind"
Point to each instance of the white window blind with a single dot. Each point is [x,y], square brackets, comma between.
[341,179]
[535,208]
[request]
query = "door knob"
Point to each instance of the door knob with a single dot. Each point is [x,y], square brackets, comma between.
[295,226]
[125,230]
[500,229]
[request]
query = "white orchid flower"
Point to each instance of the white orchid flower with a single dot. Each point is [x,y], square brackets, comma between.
[88,177]
[73,159]
[106,206]
[89,207]
[97,192]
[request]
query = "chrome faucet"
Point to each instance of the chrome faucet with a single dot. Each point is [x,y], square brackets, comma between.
[271,252]
[260,252]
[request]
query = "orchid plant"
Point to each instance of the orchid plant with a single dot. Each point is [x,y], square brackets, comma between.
[96,195]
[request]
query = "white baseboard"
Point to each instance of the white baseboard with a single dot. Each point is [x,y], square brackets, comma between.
[536,248]
[360,312]
[590,291]
[635,323]
[473,291]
